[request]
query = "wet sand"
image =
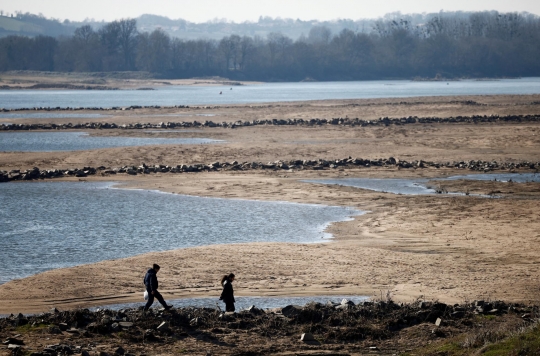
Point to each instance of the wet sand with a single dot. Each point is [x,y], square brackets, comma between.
[450,248]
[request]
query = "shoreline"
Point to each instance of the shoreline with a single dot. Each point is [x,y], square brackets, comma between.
[341,244]
[439,247]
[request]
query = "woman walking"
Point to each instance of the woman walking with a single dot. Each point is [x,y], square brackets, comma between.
[228,294]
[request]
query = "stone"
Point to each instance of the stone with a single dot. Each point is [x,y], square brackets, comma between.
[291,310]
[254,310]
[195,322]
[85,353]
[307,337]
[164,326]
[13,347]
[347,302]
[120,351]
[63,326]
[13,341]
[115,327]
[54,330]
[438,322]
[125,324]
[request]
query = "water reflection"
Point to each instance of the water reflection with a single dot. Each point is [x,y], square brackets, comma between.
[46,225]
[246,302]
[46,141]
[262,93]
[418,186]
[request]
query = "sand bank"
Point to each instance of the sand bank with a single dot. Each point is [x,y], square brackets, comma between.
[439,247]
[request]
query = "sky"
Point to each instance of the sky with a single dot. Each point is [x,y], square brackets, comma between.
[250,10]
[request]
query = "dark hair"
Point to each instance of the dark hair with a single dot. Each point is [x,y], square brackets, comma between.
[227,277]
[156,266]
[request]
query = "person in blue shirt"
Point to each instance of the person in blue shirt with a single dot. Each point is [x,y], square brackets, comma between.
[151,283]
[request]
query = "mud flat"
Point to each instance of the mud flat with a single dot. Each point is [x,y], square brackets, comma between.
[435,247]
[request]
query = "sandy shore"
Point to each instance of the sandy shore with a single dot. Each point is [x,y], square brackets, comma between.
[100,81]
[451,248]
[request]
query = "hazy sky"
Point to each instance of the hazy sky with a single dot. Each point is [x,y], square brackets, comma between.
[250,10]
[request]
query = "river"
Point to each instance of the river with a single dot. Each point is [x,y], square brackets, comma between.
[263,93]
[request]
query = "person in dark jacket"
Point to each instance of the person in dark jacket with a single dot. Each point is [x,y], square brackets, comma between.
[151,283]
[228,293]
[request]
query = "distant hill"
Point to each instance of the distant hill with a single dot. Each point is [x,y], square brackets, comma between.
[33,25]
[218,29]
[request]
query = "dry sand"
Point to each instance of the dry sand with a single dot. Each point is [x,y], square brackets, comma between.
[451,248]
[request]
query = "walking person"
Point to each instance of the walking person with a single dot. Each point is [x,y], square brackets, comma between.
[151,283]
[228,293]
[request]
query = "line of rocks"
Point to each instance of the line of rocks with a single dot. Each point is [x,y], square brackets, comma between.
[385,121]
[287,165]
[333,322]
[251,106]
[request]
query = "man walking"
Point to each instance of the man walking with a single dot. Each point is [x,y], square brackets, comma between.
[151,283]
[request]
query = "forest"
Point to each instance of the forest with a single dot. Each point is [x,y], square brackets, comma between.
[444,46]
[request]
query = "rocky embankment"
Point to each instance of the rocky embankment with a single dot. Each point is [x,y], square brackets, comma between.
[477,119]
[369,326]
[286,165]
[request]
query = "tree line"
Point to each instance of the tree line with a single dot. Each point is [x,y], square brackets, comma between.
[484,44]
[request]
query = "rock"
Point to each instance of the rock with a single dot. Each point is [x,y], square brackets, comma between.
[63,326]
[125,324]
[195,322]
[347,302]
[438,332]
[291,310]
[85,353]
[54,311]
[54,330]
[13,347]
[120,351]
[115,327]
[13,341]
[103,353]
[307,337]
[438,322]
[164,326]
[458,314]
[254,310]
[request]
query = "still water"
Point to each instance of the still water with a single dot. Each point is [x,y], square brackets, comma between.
[46,141]
[46,225]
[417,186]
[262,93]
[48,115]
[245,302]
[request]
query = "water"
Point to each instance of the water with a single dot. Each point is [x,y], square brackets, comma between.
[244,302]
[46,225]
[46,141]
[262,93]
[417,186]
[48,115]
